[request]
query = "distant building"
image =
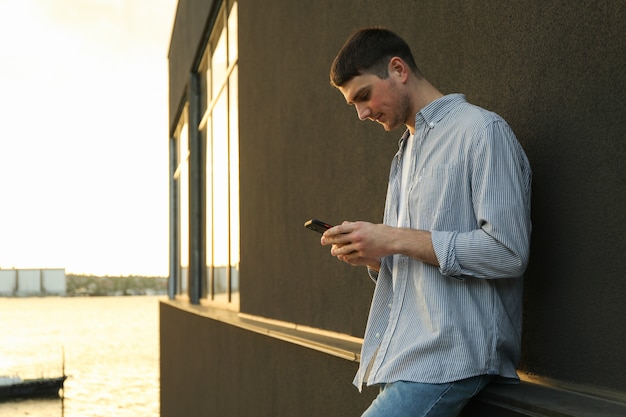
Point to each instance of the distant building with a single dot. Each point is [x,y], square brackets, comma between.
[32,282]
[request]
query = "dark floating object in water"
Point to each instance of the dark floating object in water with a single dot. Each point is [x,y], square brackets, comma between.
[16,387]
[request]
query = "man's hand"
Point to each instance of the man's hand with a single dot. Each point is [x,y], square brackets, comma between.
[362,243]
[356,243]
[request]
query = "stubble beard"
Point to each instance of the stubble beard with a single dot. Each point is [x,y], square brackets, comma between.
[403,111]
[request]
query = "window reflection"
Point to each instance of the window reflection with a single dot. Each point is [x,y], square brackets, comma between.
[220,125]
[182,178]
[232,35]
[219,65]
[207,288]
[233,113]
[220,194]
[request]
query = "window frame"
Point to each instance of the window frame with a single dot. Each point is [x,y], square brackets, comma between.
[217,93]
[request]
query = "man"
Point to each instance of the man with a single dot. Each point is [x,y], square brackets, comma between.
[448,260]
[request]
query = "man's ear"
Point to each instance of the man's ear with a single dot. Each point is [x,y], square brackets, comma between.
[398,68]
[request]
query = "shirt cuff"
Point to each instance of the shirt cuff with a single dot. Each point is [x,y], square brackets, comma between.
[444,246]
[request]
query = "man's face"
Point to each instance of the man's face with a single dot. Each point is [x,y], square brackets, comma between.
[383,101]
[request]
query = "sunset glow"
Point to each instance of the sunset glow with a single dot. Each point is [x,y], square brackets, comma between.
[84,142]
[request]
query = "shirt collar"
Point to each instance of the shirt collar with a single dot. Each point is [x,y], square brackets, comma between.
[433,112]
[436,110]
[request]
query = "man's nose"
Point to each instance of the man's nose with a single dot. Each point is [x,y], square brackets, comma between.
[363,111]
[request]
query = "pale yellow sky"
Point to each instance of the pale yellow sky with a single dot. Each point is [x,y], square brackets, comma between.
[83,138]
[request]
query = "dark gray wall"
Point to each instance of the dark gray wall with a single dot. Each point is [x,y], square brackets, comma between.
[554,69]
[302,155]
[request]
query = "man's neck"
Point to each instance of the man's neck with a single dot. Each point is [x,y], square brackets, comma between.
[423,94]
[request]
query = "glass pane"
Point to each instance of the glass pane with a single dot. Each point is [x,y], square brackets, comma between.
[233,119]
[205,86]
[183,207]
[220,194]
[207,290]
[219,64]
[232,35]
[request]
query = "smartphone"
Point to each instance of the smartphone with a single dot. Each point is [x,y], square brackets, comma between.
[317,226]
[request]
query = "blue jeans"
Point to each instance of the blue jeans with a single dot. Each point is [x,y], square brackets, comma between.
[414,399]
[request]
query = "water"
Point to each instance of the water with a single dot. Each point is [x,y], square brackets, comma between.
[111,351]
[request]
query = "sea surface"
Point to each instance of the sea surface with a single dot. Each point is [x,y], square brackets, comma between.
[107,346]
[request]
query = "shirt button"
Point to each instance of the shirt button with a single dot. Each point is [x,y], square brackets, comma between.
[377,335]
[389,305]
[431,124]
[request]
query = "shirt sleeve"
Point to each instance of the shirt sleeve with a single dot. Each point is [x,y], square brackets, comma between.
[500,178]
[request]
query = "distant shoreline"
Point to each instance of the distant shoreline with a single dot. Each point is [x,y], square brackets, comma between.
[106,286]
[94,285]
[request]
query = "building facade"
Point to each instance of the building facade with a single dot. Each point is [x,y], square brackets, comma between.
[32,282]
[261,320]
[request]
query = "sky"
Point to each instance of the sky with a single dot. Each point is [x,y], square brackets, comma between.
[84,135]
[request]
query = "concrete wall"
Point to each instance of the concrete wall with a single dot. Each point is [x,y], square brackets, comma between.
[228,371]
[53,281]
[29,282]
[8,282]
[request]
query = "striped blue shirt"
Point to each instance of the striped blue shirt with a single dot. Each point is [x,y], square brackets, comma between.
[469,184]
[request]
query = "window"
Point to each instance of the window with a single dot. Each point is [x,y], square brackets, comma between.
[220,129]
[181,179]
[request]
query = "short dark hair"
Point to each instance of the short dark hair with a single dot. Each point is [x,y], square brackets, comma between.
[368,51]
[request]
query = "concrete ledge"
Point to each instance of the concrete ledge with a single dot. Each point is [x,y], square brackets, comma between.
[536,399]
[332,343]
